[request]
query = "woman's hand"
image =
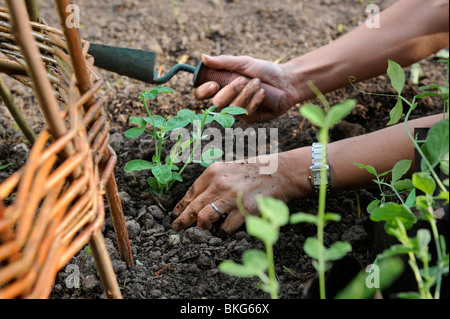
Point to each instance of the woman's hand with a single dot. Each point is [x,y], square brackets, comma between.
[221,183]
[246,91]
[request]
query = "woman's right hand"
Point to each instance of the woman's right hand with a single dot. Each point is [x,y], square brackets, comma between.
[246,91]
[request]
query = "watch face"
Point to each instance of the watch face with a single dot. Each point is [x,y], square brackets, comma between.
[316,178]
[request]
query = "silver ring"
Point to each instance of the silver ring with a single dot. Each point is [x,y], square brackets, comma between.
[217,210]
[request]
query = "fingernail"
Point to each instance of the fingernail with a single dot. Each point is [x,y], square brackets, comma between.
[243,81]
[212,86]
[207,56]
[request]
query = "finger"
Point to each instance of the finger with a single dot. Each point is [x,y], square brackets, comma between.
[208,215]
[246,95]
[252,108]
[232,223]
[206,90]
[199,186]
[224,97]
[190,214]
[228,62]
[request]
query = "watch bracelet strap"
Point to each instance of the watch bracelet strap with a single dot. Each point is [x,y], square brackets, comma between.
[317,152]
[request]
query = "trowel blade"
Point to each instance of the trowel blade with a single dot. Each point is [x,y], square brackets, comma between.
[134,63]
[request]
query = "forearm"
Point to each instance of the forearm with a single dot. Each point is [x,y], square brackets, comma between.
[410,30]
[380,149]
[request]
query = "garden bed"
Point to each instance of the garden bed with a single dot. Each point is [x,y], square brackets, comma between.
[184,265]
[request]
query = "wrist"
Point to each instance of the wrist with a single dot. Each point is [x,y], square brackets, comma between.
[294,166]
[318,66]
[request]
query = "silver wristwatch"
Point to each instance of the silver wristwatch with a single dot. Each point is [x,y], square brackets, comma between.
[318,151]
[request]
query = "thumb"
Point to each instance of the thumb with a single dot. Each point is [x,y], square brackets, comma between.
[227,62]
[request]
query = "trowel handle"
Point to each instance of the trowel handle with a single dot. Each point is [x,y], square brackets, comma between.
[275,98]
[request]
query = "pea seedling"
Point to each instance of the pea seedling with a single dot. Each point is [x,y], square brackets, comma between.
[2,167]
[274,214]
[323,118]
[164,170]
[399,217]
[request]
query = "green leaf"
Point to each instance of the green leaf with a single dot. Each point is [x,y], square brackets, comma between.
[133,132]
[163,173]
[368,168]
[445,164]
[409,295]
[339,112]
[411,199]
[331,216]
[441,88]
[400,169]
[396,113]
[424,182]
[311,247]
[443,54]
[395,250]
[2,167]
[176,122]
[190,115]
[186,144]
[224,120]
[211,109]
[138,120]
[335,252]
[424,204]
[158,120]
[209,118]
[234,110]
[437,142]
[428,93]
[154,92]
[138,165]
[261,229]
[176,176]
[392,213]
[163,89]
[373,205]
[255,259]
[303,218]
[153,183]
[397,76]
[139,263]
[313,113]
[388,270]
[423,239]
[234,269]
[403,185]
[211,154]
[276,211]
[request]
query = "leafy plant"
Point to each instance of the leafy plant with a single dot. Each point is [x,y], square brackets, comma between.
[2,167]
[274,214]
[164,170]
[398,214]
[314,246]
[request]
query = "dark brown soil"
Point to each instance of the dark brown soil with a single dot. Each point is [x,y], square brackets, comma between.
[184,265]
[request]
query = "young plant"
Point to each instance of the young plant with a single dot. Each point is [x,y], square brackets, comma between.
[314,247]
[399,217]
[2,167]
[164,170]
[257,263]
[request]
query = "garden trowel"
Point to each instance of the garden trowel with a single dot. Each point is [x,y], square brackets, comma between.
[139,65]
